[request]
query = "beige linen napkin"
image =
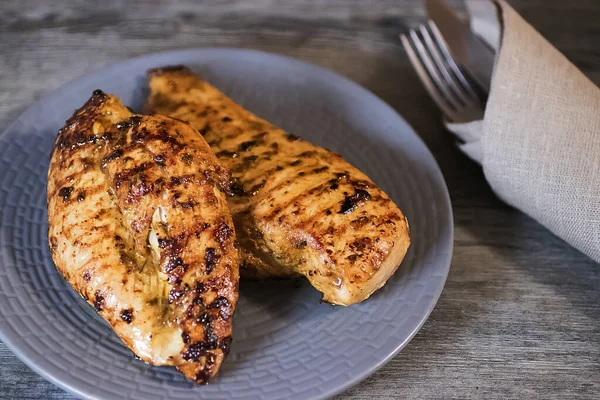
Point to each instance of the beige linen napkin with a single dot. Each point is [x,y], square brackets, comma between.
[539,141]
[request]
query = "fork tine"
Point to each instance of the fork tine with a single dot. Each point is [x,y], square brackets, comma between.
[435,94]
[433,72]
[457,72]
[454,85]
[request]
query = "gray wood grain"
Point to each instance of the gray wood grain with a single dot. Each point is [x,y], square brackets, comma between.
[520,314]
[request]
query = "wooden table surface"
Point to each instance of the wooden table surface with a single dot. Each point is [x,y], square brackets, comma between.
[520,314]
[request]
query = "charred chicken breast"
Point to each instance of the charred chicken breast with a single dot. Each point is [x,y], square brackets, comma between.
[140,227]
[298,209]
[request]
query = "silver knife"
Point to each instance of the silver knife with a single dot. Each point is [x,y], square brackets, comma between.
[466,48]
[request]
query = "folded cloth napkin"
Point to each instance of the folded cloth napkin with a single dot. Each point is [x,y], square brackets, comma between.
[539,140]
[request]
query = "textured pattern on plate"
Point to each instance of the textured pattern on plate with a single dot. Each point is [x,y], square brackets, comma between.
[286,344]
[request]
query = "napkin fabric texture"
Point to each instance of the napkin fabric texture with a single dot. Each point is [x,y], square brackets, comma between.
[539,140]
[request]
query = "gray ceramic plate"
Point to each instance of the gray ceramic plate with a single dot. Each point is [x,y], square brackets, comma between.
[286,344]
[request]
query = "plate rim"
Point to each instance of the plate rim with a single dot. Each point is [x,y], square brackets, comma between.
[23,352]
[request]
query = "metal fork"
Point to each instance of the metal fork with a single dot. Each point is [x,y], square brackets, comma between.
[447,84]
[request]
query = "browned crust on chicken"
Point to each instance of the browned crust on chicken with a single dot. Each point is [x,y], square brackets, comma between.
[139,225]
[297,208]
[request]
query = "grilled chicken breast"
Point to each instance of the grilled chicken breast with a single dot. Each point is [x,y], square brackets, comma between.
[297,208]
[140,227]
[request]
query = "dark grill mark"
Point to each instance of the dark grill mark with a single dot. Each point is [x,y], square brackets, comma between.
[65,193]
[361,184]
[205,130]
[127,315]
[222,233]
[301,245]
[113,156]
[219,302]
[197,350]
[319,170]
[99,301]
[81,138]
[161,135]
[175,294]
[359,222]
[86,163]
[173,263]
[255,233]
[267,154]
[201,228]
[226,119]
[187,158]
[202,377]
[135,120]
[307,154]
[225,344]
[227,153]
[185,337]
[246,161]
[160,160]
[295,163]
[205,319]
[211,259]
[86,276]
[351,202]
[138,188]
[210,338]
[188,205]
[81,196]
[360,244]
[254,189]
[124,258]
[128,174]
[130,123]
[245,146]
[235,188]
[292,138]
